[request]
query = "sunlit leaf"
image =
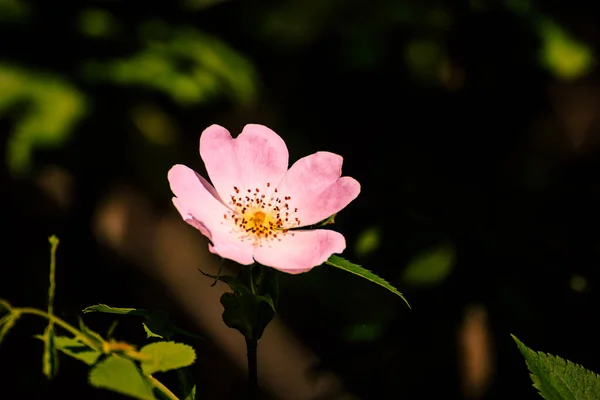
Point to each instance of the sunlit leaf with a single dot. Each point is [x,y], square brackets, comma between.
[165,356]
[341,263]
[103,308]
[76,349]
[121,375]
[149,333]
[559,379]
[430,267]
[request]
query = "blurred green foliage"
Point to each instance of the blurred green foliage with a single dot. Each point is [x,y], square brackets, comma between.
[563,55]
[98,23]
[430,267]
[424,59]
[46,108]
[363,332]
[368,241]
[190,67]
[13,10]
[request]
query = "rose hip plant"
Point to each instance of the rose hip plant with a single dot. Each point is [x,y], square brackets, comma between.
[270,220]
[254,211]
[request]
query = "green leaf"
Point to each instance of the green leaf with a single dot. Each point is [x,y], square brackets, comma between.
[252,305]
[248,313]
[122,376]
[355,269]
[103,308]
[50,355]
[430,267]
[76,349]
[165,356]
[559,379]
[149,333]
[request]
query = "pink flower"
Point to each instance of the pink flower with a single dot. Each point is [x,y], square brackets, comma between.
[255,202]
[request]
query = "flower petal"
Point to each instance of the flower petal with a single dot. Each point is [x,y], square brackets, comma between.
[300,251]
[257,156]
[198,206]
[316,189]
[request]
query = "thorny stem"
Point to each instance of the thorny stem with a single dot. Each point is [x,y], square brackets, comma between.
[80,336]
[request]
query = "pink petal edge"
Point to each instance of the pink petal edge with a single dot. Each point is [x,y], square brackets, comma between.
[316,188]
[301,251]
[257,156]
[198,206]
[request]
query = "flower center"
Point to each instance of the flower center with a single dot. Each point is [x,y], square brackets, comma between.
[261,216]
[258,218]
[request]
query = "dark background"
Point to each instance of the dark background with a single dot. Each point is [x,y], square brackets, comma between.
[459,132]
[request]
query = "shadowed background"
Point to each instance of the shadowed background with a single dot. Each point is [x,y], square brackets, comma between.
[472,127]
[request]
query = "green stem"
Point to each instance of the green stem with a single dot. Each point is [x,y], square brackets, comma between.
[251,345]
[162,388]
[52,288]
[54,319]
